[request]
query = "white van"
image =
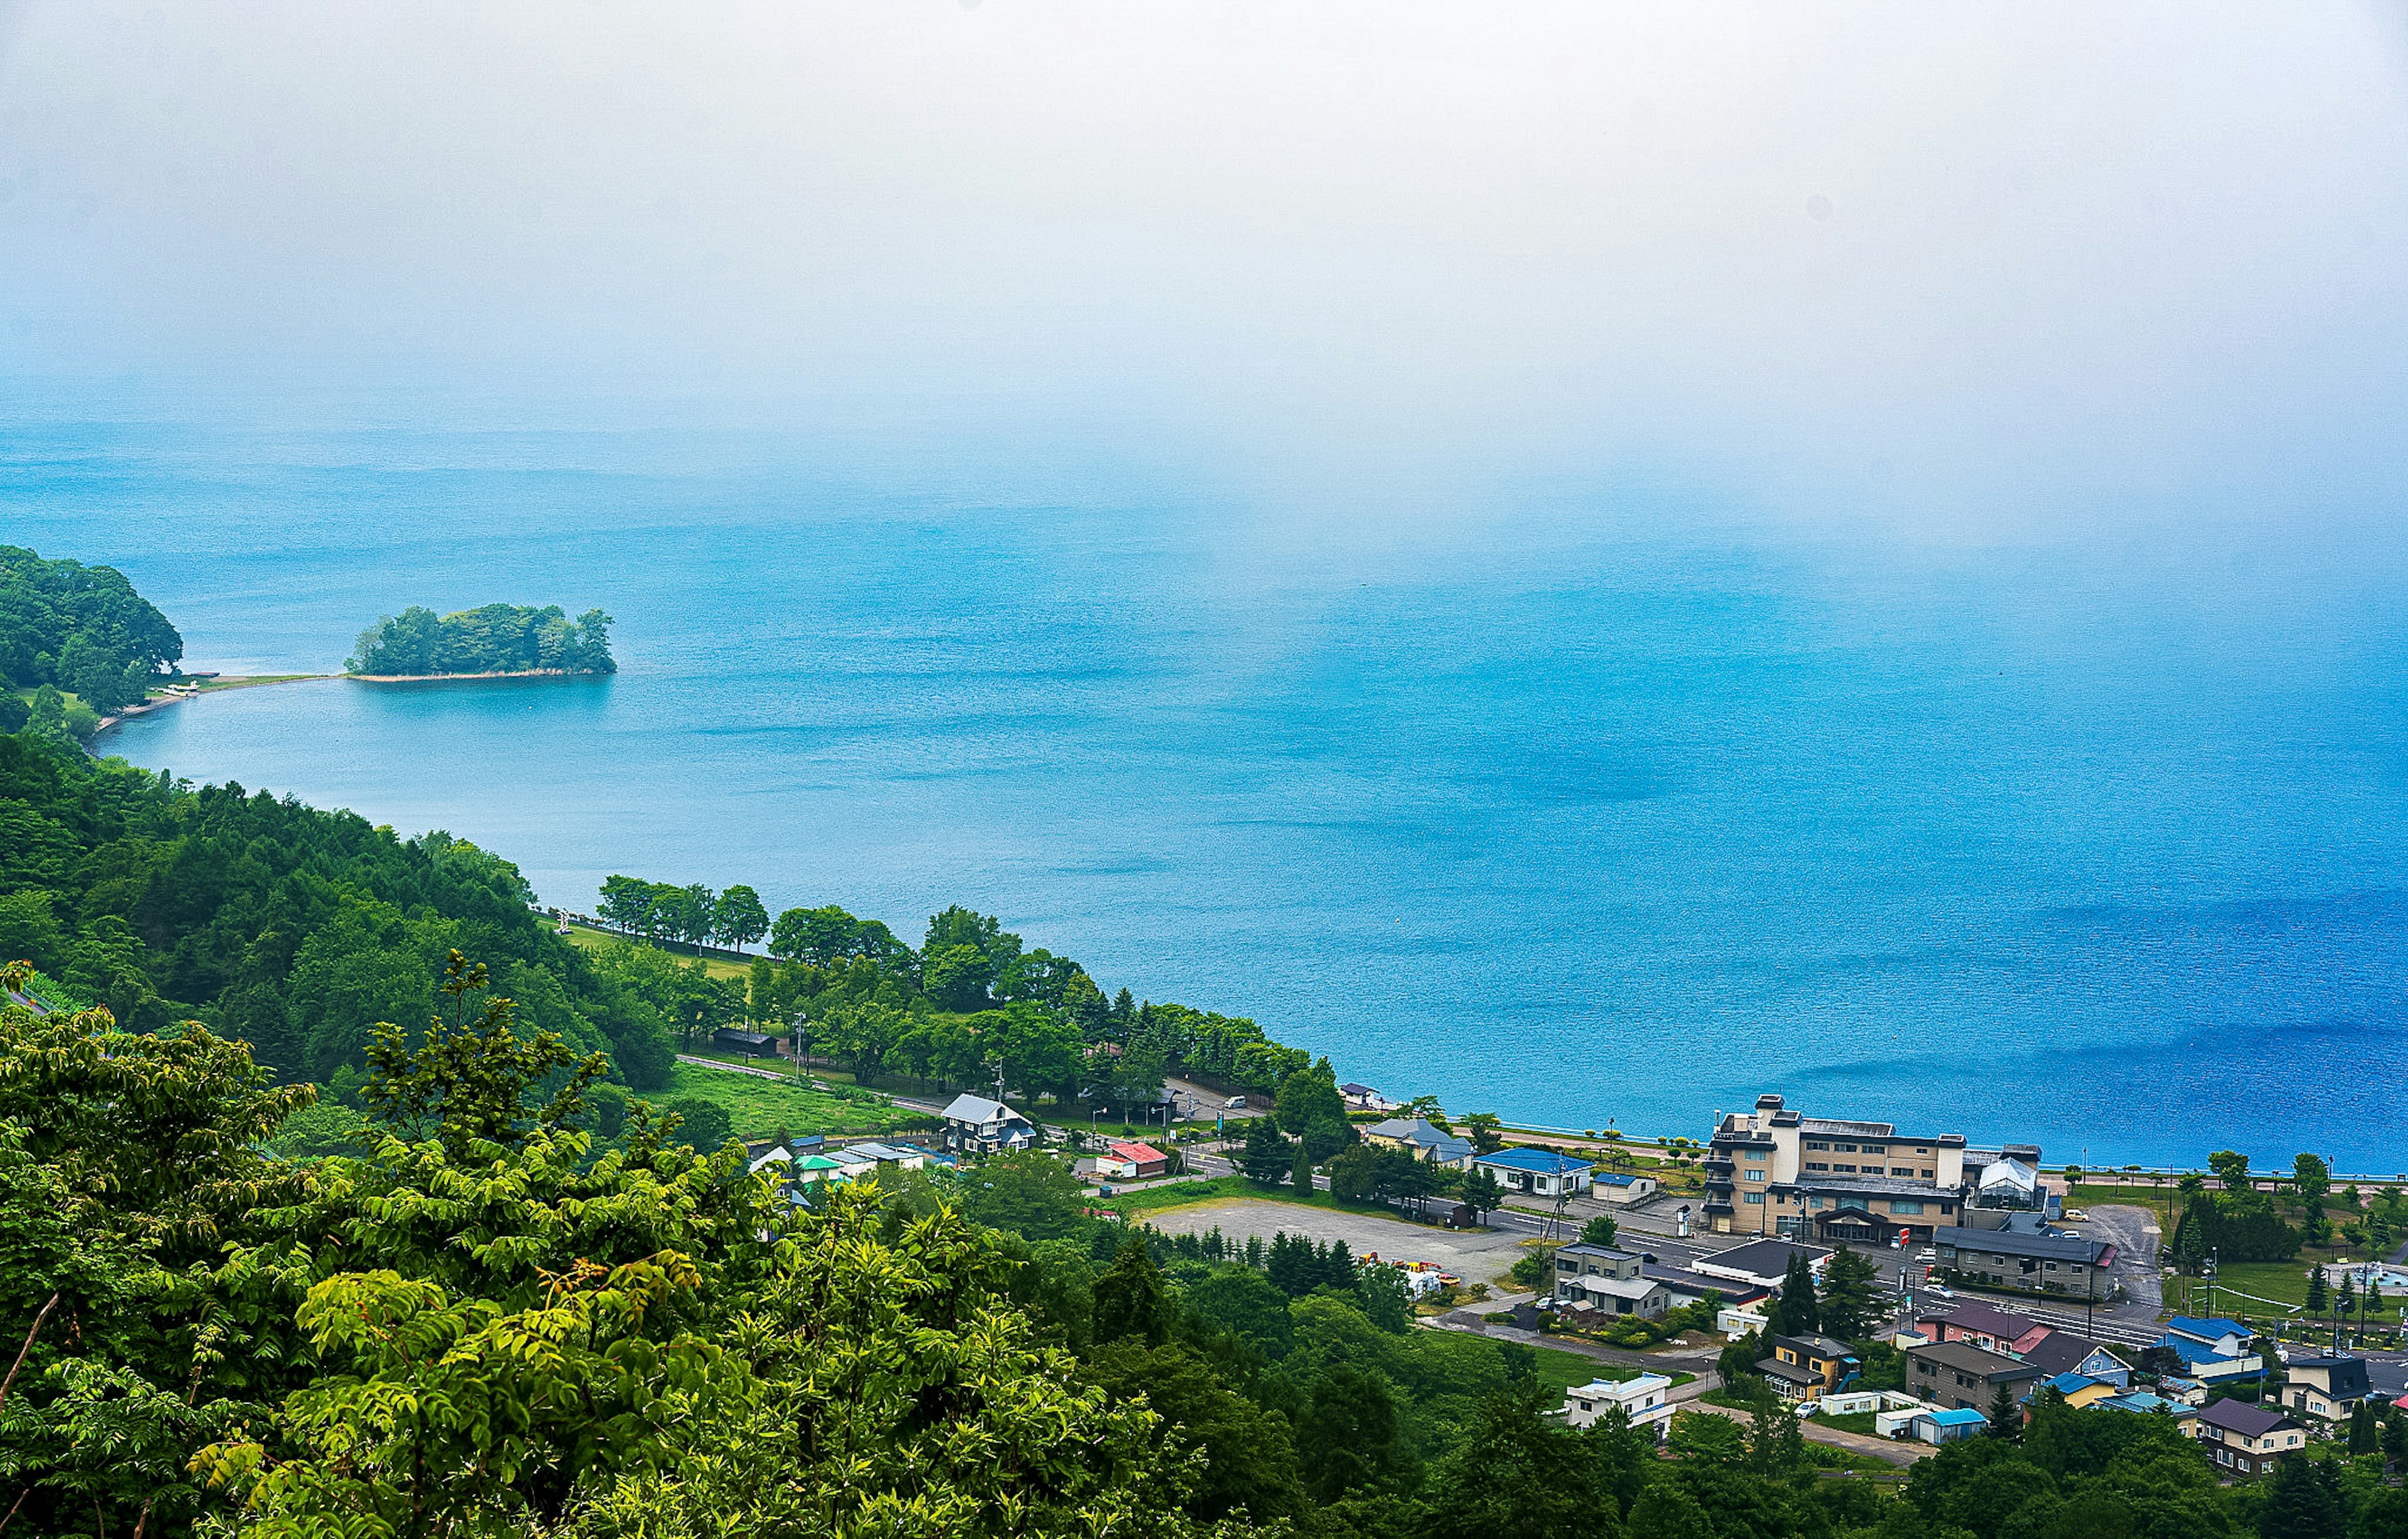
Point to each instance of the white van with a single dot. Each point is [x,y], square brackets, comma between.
[1237,1103]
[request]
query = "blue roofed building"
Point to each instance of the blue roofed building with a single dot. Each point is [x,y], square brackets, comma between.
[1539,1173]
[2209,1364]
[2228,1337]
[2142,1402]
[2080,1389]
[1950,1426]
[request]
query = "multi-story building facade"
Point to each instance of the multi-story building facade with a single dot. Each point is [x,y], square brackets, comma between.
[1779,1172]
[2327,1388]
[2035,1264]
[1805,1367]
[1601,1278]
[2244,1439]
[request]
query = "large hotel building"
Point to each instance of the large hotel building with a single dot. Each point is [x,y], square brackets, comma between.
[1779,1172]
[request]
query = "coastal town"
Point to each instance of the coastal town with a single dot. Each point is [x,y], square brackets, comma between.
[1893,1286]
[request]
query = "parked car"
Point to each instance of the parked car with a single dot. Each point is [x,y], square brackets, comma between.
[2076,1216]
[1237,1103]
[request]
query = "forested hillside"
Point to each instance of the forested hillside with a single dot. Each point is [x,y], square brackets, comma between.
[969,1001]
[494,639]
[80,629]
[293,928]
[479,1324]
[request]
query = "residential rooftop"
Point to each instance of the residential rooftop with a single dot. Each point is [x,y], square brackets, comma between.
[1969,1358]
[2046,1247]
[1620,1287]
[1973,1314]
[1767,1258]
[2064,1350]
[1961,1416]
[2236,1415]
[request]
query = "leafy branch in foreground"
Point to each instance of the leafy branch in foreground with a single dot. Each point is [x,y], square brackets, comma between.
[469,1083]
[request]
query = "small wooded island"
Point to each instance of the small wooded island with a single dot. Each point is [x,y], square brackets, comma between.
[498,641]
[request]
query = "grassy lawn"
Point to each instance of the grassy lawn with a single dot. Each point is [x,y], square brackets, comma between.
[2087,1196]
[1560,1371]
[1181,1194]
[717,966]
[1824,1457]
[2241,1287]
[759,1107]
[1856,1422]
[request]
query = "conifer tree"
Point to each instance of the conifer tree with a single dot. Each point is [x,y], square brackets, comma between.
[1795,1314]
[2302,1502]
[1848,1305]
[2006,1416]
[1132,1299]
[1265,1158]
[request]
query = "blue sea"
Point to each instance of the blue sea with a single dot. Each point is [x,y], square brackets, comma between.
[1613,811]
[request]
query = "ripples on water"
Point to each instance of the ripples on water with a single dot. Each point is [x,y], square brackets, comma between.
[1575,824]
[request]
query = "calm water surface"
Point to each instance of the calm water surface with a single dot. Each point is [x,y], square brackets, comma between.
[1564,819]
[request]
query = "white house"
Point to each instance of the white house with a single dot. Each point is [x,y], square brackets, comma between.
[1644,1400]
[975,1125]
[1539,1173]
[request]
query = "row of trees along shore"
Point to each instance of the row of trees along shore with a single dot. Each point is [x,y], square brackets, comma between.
[970,1001]
[490,639]
[478,1322]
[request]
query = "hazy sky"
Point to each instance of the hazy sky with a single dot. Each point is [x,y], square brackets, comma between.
[1966,267]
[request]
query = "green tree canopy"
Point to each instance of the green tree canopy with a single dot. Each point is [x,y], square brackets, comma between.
[739,918]
[494,639]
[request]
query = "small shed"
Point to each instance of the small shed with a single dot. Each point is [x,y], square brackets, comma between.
[1950,1426]
[753,1044]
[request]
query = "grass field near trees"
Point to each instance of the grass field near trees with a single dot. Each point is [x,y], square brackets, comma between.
[759,1107]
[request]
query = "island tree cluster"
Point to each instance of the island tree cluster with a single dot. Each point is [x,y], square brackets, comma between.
[492,638]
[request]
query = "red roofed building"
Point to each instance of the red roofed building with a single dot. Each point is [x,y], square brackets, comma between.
[1132,1162]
